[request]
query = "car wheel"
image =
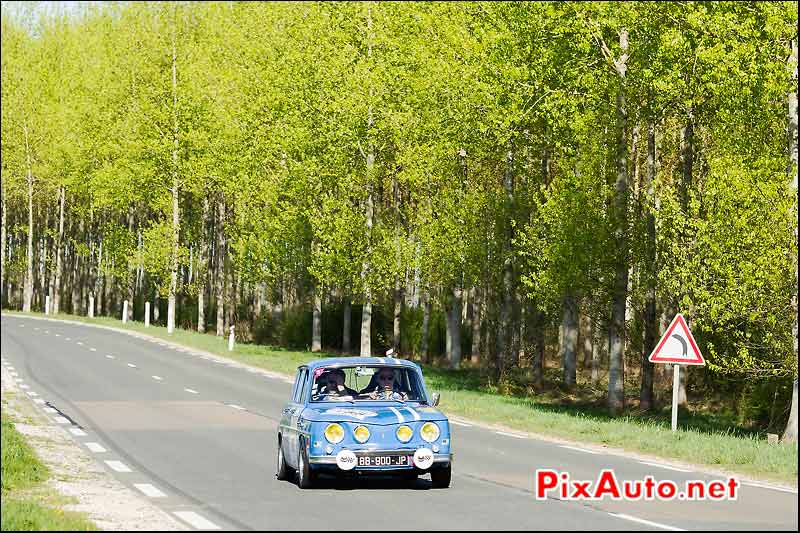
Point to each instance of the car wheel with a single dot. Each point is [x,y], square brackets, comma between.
[305,476]
[283,469]
[440,477]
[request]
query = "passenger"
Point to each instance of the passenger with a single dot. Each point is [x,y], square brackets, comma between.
[384,385]
[333,382]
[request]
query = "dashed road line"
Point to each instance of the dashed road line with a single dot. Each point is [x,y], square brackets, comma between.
[62,420]
[191,391]
[646,522]
[149,490]
[38,401]
[80,343]
[93,349]
[195,520]
[239,407]
[50,410]
[95,447]
[78,432]
[118,466]
[24,386]
[157,378]
[132,365]
[32,394]
[109,357]
[772,487]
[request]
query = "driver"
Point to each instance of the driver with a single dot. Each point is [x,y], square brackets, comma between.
[334,384]
[385,386]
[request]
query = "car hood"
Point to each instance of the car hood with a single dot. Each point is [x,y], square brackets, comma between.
[374,413]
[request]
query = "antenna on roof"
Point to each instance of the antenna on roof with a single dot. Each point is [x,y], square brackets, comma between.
[390,352]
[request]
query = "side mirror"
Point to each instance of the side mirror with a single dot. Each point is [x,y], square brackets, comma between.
[435,399]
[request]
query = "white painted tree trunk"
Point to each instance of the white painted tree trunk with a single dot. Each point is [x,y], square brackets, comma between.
[790,433]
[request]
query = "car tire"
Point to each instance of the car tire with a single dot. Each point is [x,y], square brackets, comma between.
[305,476]
[440,477]
[283,469]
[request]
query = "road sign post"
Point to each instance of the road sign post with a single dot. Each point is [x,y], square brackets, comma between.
[677,347]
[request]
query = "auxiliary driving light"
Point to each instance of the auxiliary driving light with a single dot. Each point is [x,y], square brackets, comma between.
[334,433]
[404,433]
[361,433]
[429,431]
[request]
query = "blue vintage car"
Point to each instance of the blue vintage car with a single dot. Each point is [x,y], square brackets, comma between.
[363,415]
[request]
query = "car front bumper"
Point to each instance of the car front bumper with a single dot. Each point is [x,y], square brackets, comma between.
[439,459]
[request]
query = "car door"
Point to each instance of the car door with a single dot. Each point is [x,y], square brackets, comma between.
[292,414]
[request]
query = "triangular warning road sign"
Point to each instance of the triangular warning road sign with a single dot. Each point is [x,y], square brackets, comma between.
[677,346]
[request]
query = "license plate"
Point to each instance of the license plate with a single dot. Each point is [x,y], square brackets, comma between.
[384,460]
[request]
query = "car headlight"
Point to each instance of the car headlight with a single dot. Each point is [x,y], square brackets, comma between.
[404,433]
[334,433]
[361,433]
[429,431]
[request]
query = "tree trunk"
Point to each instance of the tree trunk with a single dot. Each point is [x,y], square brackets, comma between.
[616,394]
[202,269]
[173,276]
[220,266]
[504,329]
[398,311]
[651,271]
[76,273]
[475,302]
[3,291]
[790,433]
[346,325]
[538,342]
[366,313]
[455,327]
[27,293]
[316,319]
[426,325]
[570,339]
[131,272]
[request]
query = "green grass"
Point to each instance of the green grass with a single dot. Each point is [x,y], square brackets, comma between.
[704,438]
[27,504]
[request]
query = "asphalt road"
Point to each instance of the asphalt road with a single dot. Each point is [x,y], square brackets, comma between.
[199,437]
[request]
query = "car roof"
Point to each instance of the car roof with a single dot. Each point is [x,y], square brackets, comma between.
[359,361]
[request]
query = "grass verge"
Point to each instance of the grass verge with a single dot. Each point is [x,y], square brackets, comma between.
[700,439]
[27,504]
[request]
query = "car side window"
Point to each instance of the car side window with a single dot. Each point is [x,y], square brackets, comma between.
[298,385]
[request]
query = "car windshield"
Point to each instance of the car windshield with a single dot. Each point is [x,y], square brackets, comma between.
[366,384]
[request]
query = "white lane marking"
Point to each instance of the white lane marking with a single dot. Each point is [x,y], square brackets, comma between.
[109,357]
[19,380]
[665,466]
[50,410]
[78,432]
[61,420]
[131,365]
[239,407]
[580,450]
[118,466]
[93,349]
[400,418]
[192,391]
[39,401]
[24,386]
[511,435]
[33,394]
[58,334]
[289,381]
[22,325]
[646,522]
[67,339]
[47,331]
[95,447]
[157,378]
[773,487]
[414,413]
[195,520]
[37,329]
[14,373]
[149,490]
[80,343]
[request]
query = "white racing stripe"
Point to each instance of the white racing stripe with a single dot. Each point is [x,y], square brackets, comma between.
[195,520]
[149,490]
[400,418]
[413,413]
[118,466]
[665,466]
[95,447]
[580,450]
[646,522]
